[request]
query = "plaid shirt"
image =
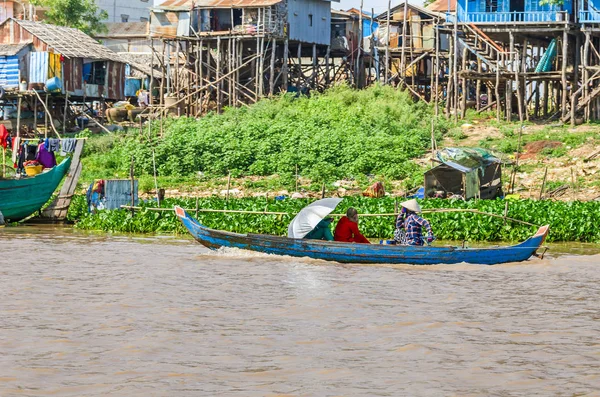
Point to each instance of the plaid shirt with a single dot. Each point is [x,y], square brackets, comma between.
[413,224]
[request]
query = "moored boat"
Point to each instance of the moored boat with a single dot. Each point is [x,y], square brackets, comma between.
[361,253]
[20,198]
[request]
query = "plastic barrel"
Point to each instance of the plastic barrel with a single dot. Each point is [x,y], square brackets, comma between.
[53,84]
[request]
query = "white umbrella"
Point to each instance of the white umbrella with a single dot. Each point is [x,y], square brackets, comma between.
[310,216]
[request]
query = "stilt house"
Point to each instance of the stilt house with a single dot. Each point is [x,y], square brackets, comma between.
[409,42]
[82,66]
[516,56]
[220,52]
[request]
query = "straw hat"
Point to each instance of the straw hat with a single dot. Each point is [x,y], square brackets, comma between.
[412,205]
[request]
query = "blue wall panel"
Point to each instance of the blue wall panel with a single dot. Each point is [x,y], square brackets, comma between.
[9,71]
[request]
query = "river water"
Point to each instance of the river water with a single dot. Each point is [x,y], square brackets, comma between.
[93,315]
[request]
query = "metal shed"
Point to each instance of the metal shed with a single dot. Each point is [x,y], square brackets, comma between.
[12,63]
[466,172]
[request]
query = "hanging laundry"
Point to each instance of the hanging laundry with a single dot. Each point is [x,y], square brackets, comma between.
[67,145]
[4,136]
[20,164]
[45,158]
[16,145]
[30,151]
[53,144]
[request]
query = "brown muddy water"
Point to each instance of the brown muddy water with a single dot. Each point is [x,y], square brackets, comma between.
[95,315]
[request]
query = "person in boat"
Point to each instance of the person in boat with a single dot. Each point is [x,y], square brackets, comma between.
[321,231]
[409,225]
[346,229]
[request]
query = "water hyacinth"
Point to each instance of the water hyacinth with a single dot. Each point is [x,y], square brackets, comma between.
[569,221]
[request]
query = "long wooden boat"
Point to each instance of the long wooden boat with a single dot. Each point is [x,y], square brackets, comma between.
[20,198]
[361,253]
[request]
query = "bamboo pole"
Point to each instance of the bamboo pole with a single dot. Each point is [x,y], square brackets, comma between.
[228,185]
[463,104]
[64,129]
[402,51]
[543,184]
[437,71]
[478,87]
[284,69]
[497,89]
[564,73]
[45,117]
[19,104]
[45,108]
[586,49]
[387,45]
[455,70]
[272,68]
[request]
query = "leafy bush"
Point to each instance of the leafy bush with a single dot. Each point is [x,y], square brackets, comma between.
[340,133]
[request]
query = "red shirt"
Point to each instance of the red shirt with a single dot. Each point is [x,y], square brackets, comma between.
[347,231]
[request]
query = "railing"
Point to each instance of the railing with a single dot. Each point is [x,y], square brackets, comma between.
[513,17]
[589,16]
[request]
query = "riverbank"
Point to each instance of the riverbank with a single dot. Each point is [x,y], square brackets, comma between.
[569,221]
[341,141]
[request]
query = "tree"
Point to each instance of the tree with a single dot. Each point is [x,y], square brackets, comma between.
[79,14]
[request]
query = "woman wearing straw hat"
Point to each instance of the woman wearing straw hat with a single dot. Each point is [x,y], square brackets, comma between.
[409,225]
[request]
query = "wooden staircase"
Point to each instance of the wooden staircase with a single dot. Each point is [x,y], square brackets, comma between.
[484,48]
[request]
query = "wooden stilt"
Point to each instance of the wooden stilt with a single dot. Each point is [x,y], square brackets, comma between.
[387,45]
[586,83]
[284,69]
[299,68]
[565,46]
[497,89]
[437,72]
[272,67]
[327,71]
[465,94]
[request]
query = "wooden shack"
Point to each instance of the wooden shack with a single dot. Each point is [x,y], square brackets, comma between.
[82,65]
[468,173]
[412,47]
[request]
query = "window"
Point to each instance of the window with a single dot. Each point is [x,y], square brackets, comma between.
[491,6]
[124,18]
[143,19]
[310,19]
[95,73]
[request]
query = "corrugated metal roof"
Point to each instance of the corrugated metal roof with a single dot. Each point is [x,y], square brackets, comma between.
[12,49]
[425,11]
[125,29]
[189,4]
[72,43]
[442,6]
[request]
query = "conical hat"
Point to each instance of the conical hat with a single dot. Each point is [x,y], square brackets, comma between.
[412,205]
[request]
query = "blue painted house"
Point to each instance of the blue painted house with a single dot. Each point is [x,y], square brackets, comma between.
[589,11]
[513,12]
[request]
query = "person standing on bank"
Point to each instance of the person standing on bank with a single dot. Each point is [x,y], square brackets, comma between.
[409,225]
[346,229]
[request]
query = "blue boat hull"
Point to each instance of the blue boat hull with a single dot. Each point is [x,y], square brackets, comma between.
[361,253]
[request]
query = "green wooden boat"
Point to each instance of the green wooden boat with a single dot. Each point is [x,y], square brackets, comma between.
[20,198]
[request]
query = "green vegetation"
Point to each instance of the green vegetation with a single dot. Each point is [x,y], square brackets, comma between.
[84,15]
[342,133]
[569,221]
